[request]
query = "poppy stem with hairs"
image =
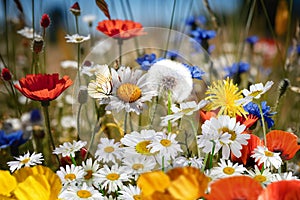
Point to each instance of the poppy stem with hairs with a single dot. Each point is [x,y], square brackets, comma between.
[263,123]
[45,105]
[120,43]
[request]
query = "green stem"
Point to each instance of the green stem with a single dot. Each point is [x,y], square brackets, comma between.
[73,160]
[195,134]
[78,121]
[76,22]
[204,162]
[125,122]
[78,63]
[6,33]
[120,42]
[130,122]
[15,97]
[170,28]
[169,110]
[163,164]
[154,112]
[263,123]
[212,155]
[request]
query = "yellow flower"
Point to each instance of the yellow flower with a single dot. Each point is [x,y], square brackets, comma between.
[186,183]
[225,95]
[7,184]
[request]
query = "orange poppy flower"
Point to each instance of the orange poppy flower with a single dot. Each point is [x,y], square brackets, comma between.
[236,187]
[206,115]
[43,87]
[123,29]
[281,190]
[249,121]
[284,142]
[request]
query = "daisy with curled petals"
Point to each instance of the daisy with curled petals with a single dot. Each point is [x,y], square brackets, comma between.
[136,144]
[167,76]
[130,90]
[185,108]
[71,174]
[130,192]
[223,132]
[80,192]
[69,149]
[256,90]
[166,145]
[225,95]
[236,187]
[112,179]
[266,157]
[76,38]
[26,160]
[227,169]
[264,177]
[90,169]
[108,150]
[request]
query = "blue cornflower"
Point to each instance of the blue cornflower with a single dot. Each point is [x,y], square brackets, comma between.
[13,139]
[196,72]
[200,34]
[237,68]
[193,21]
[252,39]
[147,60]
[252,108]
[35,116]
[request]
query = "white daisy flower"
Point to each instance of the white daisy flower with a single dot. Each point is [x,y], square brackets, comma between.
[130,193]
[166,145]
[257,90]
[110,197]
[264,177]
[137,165]
[76,38]
[195,162]
[28,33]
[26,160]
[284,176]
[185,108]
[136,144]
[69,64]
[182,161]
[268,158]
[90,168]
[71,175]
[227,169]
[80,193]
[112,179]
[170,76]
[69,149]
[130,90]
[223,132]
[108,150]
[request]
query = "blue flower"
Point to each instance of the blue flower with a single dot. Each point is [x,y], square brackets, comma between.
[252,39]
[236,68]
[172,55]
[200,34]
[147,60]
[35,116]
[253,109]
[13,139]
[193,21]
[196,72]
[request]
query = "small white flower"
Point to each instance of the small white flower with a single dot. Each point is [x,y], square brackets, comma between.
[112,179]
[26,160]
[264,178]
[195,162]
[76,38]
[108,150]
[68,122]
[257,90]
[89,18]
[90,168]
[284,176]
[95,69]
[71,175]
[130,193]
[69,149]
[80,192]
[28,33]
[268,158]
[137,165]
[185,108]
[227,169]
[69,64]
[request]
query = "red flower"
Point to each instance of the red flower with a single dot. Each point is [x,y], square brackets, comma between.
[123,29]
[236,187]
[43,87]
[281,190]
[75,9]
[284,142]
[6,74]
[45,21]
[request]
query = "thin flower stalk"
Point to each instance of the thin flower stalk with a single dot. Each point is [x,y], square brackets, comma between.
[263,124]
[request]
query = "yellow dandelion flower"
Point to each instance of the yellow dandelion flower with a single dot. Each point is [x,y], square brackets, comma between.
[225,95]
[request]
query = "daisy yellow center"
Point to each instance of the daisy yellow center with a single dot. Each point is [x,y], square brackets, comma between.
[70,177]
[109,149]
[165,142]
[141,147]
[137,197]
[232,133]
[269,153]
[260,178]
[113,176]
[224,95]
[137,166]
[26,160]
[89,174]
[129,92]
[228,170]
[255,93]
[84,193]
[79,39]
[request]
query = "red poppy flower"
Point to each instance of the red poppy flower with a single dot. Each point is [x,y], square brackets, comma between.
[123,29]
[45,21]
[6,74]
[43,87]
[206,115]
[236,187]
[282,190]
[249,121]
[284,142]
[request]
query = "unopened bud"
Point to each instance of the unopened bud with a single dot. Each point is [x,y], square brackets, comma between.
[38,44]
[82,95]
[45,21]
[6,74]
[75,9]
[283,86]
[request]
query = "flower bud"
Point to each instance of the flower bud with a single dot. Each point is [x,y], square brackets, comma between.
[75,9]
[82,95]
[45,21]
[6,74]
[38,44]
